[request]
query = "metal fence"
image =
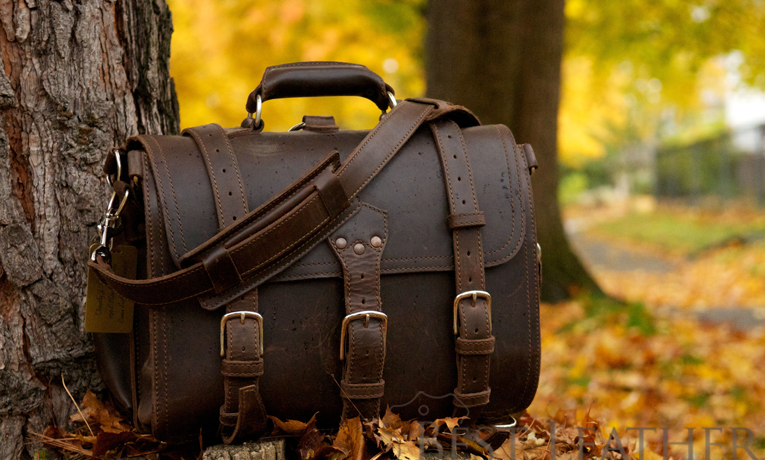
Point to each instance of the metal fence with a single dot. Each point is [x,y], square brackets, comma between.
[714,171]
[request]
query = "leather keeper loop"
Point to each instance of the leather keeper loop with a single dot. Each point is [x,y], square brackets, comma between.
[363,390]
[474,347]
[242,369]
[332,194]
[471,399]
[221,270]
[228,418]
[135,164]
[465,220]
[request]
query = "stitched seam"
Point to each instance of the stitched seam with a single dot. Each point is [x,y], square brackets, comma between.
[165,362]
[175,198]
[231,396]
[417,258]
[149,215]
[158,180]
[528,296]
[258,238]
[469,223]
[235,165]
[321,224]
[198,138]
[512,202]
[155,374]
[296,257]
[157,283]
[297,277]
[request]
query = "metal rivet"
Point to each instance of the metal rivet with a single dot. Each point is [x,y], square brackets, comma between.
[341,243]
[358,248]
[376,241]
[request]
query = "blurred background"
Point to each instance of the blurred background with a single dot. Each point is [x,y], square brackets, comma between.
[655,181]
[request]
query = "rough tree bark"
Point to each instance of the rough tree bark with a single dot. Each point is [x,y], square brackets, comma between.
[502,59]
[77,77]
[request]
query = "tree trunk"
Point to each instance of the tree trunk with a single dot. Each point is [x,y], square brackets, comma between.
[77,78]
[502,59]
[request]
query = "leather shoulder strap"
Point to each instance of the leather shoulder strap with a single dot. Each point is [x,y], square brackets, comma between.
[240,251]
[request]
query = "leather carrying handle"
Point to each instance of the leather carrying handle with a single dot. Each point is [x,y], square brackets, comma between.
[318,78]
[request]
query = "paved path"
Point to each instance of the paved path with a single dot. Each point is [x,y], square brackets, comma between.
[600,254]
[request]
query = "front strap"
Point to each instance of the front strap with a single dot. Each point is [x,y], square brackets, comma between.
[258,240]
[472,309]
[243,415]
[359,246]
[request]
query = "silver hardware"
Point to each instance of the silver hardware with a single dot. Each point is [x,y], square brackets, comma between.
[297,127]
[539,253]
[359,248]
[366,315]
[475,295]
[341,243]
[258,110]
[393,101]
[111,216]
[507,426]
[241,315]
[376,241]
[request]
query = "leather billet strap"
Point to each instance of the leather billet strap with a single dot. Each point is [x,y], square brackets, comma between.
[242,415]
[472,306]
[359,246]
[223,169]
[278,229]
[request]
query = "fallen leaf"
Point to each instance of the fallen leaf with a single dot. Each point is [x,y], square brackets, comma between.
[293,427]
[350,439]
[450,422]
[406,450]
[391,420]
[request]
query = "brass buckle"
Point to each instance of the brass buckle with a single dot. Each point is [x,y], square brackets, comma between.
[474,295]
[242,315]
[358,315]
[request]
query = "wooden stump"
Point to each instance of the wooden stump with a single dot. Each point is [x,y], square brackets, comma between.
[272,449]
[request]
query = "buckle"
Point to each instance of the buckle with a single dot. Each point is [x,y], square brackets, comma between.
[474,295]
[242,315]
[358,315]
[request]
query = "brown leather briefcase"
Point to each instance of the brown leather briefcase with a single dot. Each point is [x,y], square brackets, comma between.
[323,270]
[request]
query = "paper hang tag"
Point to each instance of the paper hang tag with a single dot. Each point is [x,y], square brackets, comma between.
[105,310]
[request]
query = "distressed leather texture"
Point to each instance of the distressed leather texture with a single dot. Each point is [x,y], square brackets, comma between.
[449,182]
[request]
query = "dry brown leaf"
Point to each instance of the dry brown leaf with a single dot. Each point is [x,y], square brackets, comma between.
[450,422]
[294,427]
[387,437]
[391,420]
[313,445]
[406,450]
[97,412]
[350,439]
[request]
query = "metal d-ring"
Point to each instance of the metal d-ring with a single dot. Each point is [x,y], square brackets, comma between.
[297,127]
[392,99]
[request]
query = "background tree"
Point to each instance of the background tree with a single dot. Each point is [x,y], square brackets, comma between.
[77,77]
[503,61]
